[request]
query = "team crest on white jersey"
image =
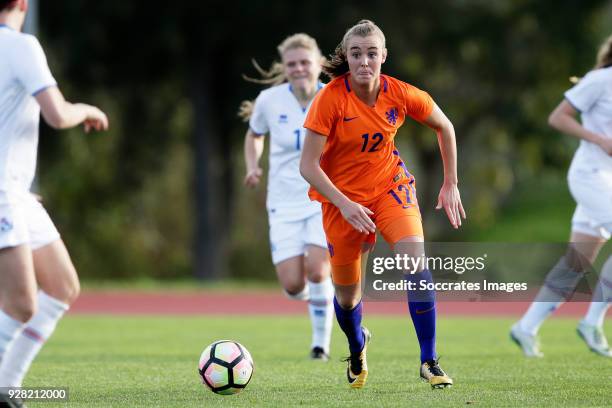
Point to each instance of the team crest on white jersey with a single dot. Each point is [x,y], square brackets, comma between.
[5,225]
[283,119]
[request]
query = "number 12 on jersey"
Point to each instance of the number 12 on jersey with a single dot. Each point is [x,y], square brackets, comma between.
[376,139]
[409,190]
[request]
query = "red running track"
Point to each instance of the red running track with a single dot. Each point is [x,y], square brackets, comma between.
[270,303]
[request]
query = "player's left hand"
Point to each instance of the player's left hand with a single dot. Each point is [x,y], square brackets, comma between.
[450,199]
[95,119]
[606,145]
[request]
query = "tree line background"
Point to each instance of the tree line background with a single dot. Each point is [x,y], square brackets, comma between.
[160,194]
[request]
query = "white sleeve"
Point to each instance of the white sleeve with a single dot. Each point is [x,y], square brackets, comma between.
[586,92]
[30,66]
[258,122]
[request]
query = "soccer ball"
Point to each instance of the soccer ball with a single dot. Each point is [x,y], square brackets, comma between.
[226,367]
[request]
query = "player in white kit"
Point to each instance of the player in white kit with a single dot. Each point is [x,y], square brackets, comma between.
[297,240]
[590,182]
[37,279]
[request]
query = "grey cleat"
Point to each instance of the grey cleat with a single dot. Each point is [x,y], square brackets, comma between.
[529,343]
[595,338]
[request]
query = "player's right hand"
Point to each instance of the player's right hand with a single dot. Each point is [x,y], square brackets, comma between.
[358,216]
[252,177]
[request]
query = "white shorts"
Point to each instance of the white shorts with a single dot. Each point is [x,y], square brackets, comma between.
[23,220]
[591,187]
[289,238]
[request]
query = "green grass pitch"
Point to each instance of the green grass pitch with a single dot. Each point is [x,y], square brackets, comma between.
[152,361]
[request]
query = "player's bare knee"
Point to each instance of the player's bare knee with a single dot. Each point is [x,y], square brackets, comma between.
[21,308]
[76,290]
[318,274]
[66,291]
[73,290]
[413,254]
[317,266]
[294,289]
[347,303]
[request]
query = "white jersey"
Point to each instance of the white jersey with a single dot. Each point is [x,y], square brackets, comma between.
[590,175]
[592,96]
[23,73]
[278,112]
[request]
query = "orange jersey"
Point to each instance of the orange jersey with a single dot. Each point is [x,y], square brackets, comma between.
[359,156]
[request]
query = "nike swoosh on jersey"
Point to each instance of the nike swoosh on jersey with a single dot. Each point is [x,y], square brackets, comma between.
[349,119]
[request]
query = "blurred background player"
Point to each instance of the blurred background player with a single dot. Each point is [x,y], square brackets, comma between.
[354,169]
[32,255]
[297,239]
[590,182]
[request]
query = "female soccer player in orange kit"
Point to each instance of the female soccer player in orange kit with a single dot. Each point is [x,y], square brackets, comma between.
[350,160]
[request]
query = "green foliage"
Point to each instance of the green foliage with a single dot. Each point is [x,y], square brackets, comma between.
[249,246]
[125,200]
[112,231]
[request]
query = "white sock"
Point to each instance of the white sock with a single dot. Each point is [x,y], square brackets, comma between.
[558,286]
[321,311]
[535,316]
[601,297]
[28,343]
[9,328]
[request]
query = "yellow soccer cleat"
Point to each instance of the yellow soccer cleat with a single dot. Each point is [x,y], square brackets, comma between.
[434,375]
[357,370]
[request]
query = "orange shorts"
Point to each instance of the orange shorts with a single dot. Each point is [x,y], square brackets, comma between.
[396,216]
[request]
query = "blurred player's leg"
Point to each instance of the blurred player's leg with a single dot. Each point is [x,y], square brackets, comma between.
[592,216]
[288,246]
[290,273]
[9,328]
[18,294]
[524,332]
[590,328]
[318,273]
[602,297]
[303,277]
[320,305]
[59,285]
[558,286]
